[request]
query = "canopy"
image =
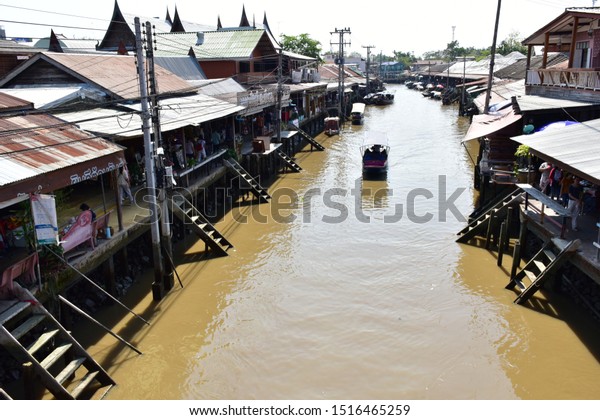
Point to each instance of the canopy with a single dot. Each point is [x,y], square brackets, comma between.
[486,124]
[575,148]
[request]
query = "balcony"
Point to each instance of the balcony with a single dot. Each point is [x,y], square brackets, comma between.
[573,84]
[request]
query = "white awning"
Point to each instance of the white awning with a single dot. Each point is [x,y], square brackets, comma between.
[575,148]
[485,124]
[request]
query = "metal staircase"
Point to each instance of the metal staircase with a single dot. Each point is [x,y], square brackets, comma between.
[480,224]
[541,267]
[190,215]
[49,353]
[258,191]
[290,163]
[307,136]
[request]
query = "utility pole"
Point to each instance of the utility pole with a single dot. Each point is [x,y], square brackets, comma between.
[491,75]
[368,47]
[149,152]
[341,60]
[165,222]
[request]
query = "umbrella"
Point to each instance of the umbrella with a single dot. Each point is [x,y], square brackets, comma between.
[557,125]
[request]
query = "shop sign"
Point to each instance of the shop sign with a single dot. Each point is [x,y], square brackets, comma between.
[43,208]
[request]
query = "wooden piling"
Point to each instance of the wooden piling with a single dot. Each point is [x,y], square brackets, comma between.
[501,242]
[516,259]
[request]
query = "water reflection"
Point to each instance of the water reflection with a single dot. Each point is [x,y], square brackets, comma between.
[375,194]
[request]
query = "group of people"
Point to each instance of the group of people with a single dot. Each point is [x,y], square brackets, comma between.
[565,188]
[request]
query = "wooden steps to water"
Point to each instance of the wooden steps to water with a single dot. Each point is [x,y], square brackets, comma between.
[191,216]
[479,225]
[308,138]
[541,267]
[256,189]
[49,353]
[289,162]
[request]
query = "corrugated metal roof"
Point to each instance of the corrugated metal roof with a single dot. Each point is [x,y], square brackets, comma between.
[162,25]
[537,103]
[223,44]
[69,45]
[48,97]
[9,102]
[34,145]
[501,91]
[223,89]
[518,70]
[185,67]
[116,74]
[175,113]
[575,148]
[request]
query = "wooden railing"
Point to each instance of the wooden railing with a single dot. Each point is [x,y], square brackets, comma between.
[567,78]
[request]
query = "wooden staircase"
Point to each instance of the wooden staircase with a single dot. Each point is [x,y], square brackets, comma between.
[308,137]
[191,216]
[50,355]
[541,267]
[258,191]
[480,224]
[289,162]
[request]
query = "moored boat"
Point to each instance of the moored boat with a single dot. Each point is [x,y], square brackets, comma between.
[374,152]
[357,113]
[332,126]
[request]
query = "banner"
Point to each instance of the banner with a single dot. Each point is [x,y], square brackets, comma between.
[43,208]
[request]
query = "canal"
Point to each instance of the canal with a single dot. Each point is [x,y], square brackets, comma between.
[344,288]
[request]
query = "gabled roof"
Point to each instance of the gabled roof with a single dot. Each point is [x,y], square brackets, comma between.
[114,74]
[228,44]
[563,25]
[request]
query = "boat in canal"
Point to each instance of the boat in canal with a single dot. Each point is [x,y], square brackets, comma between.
[380,98]
[358,113]
[332,126]
[375,151]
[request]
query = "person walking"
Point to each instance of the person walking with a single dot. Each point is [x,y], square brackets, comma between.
[124,187]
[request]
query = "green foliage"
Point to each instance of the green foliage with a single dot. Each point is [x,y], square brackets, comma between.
[511,44]
[522,151]
[302,44]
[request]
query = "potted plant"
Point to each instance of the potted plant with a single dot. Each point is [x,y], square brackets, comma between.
[522,167]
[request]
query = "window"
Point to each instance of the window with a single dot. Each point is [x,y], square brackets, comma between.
[582,55]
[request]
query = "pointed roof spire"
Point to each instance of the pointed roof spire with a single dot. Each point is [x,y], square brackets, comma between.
[266,23]
[219,26]
[244,22]
[118,31]
[122,49]
[177,26]
[54,44]
[168,18]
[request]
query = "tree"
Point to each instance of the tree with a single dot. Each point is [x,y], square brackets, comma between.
[511,44]
[302,44]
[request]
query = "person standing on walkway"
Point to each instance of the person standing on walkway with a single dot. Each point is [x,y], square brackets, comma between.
[574,207]
[545,177]
[124,187]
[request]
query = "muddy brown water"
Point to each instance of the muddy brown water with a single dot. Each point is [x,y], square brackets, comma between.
[317,303]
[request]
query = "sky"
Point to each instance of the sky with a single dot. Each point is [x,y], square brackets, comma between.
[405,26]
